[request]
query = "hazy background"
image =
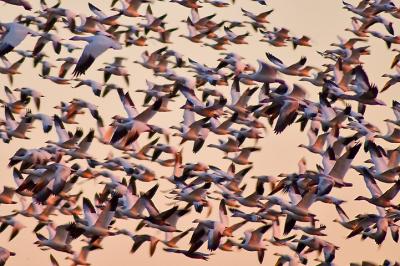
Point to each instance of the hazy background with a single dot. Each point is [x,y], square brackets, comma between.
[323,21]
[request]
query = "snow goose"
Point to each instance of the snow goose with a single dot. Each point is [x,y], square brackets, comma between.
[316,143]
[98,44]
[155,24]
[252,200]
[392,135]
[97,225]
[138,240]
[302,41]
[378,198]
[394,78]
[356,29]
[56,80]
[45,38]
[389,39]
[15,34]
[59,238]
[193,34]
[259,18]
[14,105]
[234,38]
[396,112]
[23,3]
[6,197]
[253,241]
[160,220]
[231,145]
[129,9]
[217,3]
[47,121]
[11,69]
[333,174]
[265,74]
[243,157]
[192,4]
[68,63]
[136,205]
[193,255]
[5,254]
[82,151]
[94,85]
[115,70]
[295,69]
[16,225]
[64,140]
[165,36]
[216,229]
[314,243]
[137,123]
[15,129]
[102,18]
[81,257]
[28,92]
[105,134]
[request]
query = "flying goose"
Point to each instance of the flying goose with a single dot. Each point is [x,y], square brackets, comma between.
[16,225]
[14,105]
[14,35]
[23,3]
[81,258]
[28,92]
[314,243]
[95,86]
[394,78]
[59,238]
[193,255]
[295,69]
[5,254]
[45,38]
[302,41]
[6,196]
[64,139]
[11,69]
[97,225]
[378,198]
[242,157]
[392,135]
[264,74]
[15,129]
[102,18]
[97,45]
[253,241]
[129,9]
[68,63]
[259,18]
[396,112]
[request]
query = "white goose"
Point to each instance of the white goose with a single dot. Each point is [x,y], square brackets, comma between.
[129,8]
[81,257]
[253,241]
[15,34]
[97,224]
[59,239]
[4,255]
[98,44]
[24,3]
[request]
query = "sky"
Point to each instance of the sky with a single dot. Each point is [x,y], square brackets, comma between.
[322,21]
